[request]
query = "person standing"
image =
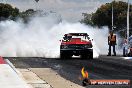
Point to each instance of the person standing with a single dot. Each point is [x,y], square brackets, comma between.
[112,43]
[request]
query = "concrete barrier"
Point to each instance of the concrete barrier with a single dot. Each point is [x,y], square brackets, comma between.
[9,78]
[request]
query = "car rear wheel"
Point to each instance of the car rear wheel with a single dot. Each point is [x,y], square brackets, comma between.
[90,56]
[64,55]
[87,56]
[83,56]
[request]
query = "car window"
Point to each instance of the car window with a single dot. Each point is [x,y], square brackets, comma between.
[86,38]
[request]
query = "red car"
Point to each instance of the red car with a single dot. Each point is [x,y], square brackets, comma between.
[78,44]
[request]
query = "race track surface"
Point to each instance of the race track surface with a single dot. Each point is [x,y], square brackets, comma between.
[99,68]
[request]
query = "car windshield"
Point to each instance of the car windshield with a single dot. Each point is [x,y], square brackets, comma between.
[86,38]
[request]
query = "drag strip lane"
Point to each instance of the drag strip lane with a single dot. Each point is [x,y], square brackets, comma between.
[100,68]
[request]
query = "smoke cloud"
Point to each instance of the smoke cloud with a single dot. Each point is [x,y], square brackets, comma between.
[40,37]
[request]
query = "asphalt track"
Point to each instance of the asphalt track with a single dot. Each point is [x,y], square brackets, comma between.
[99,68]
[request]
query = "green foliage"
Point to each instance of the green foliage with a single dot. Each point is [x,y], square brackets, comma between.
[12,13]
[103,16]
[7,11]
[87,19]
[25,15]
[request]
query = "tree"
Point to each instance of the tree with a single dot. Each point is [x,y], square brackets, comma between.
[26,15]
[7,11]
[87,19]
[103,16]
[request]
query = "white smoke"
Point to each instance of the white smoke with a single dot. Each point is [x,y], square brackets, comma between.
[40,37]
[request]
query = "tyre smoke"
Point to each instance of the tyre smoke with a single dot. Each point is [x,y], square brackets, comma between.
[40,37]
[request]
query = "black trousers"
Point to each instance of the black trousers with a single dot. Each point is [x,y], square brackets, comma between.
[114,52]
